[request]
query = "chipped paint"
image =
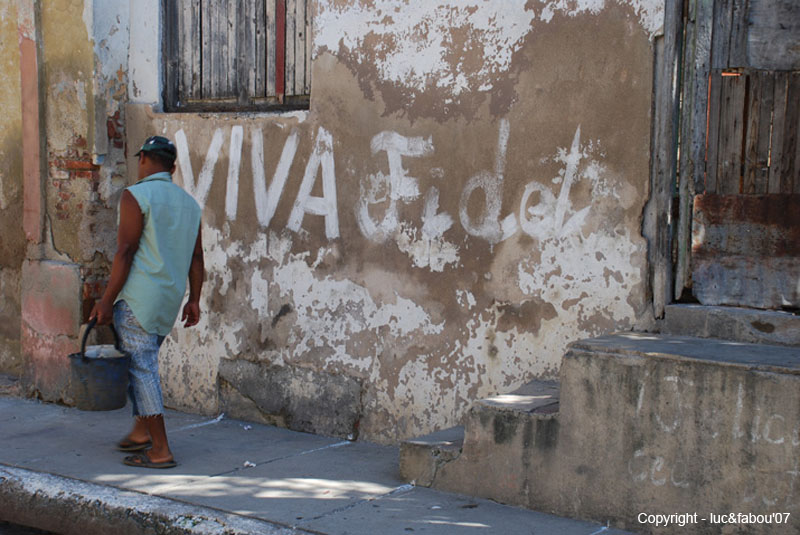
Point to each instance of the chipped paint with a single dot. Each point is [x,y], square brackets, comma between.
[330,312]
[13,242]
[416,40]
[212,338]
[410,244]
[307,305]
[427,248]
[415,43]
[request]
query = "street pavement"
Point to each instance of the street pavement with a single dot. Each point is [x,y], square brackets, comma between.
[59,469]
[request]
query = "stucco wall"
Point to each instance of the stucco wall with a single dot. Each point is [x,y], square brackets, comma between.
[462,200]
[78,64]
[85,61]
[12,239]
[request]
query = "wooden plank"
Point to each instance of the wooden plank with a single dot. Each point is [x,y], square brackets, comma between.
[778,128]
[721,34]
[656,227]
[747,250]
[251,64]
[300,47]
[247,66]
[720,52]
[213,56]
[788,163]
[271,47]
[737,58]
[772,35]
[731,135]
[280,49]
[766,82]
[752,130]
[190,48]
[686,162]
[658,212]
[233,37]
[215,49]
[704,21]
[796,172]
[172,36]
[220,40]
[309,42]
[291,38]
[712,140]
[260,49]
[208,57]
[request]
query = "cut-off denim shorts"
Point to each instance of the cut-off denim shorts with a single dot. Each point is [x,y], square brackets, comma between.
[144,384]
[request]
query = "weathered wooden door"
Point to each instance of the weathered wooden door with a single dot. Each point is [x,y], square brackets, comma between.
[738,239]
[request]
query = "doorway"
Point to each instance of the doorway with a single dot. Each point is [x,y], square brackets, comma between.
[735,233]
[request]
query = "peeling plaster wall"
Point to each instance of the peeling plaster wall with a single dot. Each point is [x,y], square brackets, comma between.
[85,63]
[462,200]
[12,238]
[81,61]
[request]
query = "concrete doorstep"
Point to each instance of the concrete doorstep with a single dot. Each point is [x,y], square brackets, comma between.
[59,472]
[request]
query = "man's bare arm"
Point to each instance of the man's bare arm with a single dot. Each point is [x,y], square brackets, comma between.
[131,224]
[191,311]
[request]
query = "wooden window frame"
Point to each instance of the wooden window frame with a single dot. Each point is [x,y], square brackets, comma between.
[277,87]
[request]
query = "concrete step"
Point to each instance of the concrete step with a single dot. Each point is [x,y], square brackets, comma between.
[642,423]
[421,457]
[732,323]
[497,431]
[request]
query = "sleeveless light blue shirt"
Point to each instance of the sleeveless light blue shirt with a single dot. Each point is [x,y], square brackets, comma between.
[156,283]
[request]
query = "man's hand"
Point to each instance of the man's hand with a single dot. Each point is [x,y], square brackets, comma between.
[191,314]
[103,312]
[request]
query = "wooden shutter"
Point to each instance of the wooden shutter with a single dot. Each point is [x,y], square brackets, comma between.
[236,55]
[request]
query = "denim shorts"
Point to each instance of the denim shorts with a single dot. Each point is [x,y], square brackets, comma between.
[144,384]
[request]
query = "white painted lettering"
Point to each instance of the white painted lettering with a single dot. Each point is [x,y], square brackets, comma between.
[546,217]
[434,224]
[779,439]
[200,189]
[399,185]
[267,200]
[234,161]
[321,157]
[754,436]
[489,225]
[536,220]
[638,474]
[737,427]
[657,467]
[573,158]
[681,481]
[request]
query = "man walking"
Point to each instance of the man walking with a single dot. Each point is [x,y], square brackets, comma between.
[159,246]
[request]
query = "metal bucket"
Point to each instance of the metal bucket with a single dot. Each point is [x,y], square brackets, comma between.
[99,376]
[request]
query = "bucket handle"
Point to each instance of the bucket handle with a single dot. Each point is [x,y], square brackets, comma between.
[89,327]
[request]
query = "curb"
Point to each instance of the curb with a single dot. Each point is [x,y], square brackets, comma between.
[74,507]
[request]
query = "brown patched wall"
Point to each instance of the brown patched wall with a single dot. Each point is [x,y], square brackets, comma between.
[74,60]
[12,239]
[462,200]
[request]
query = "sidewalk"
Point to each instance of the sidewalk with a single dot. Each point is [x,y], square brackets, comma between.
[59,468]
